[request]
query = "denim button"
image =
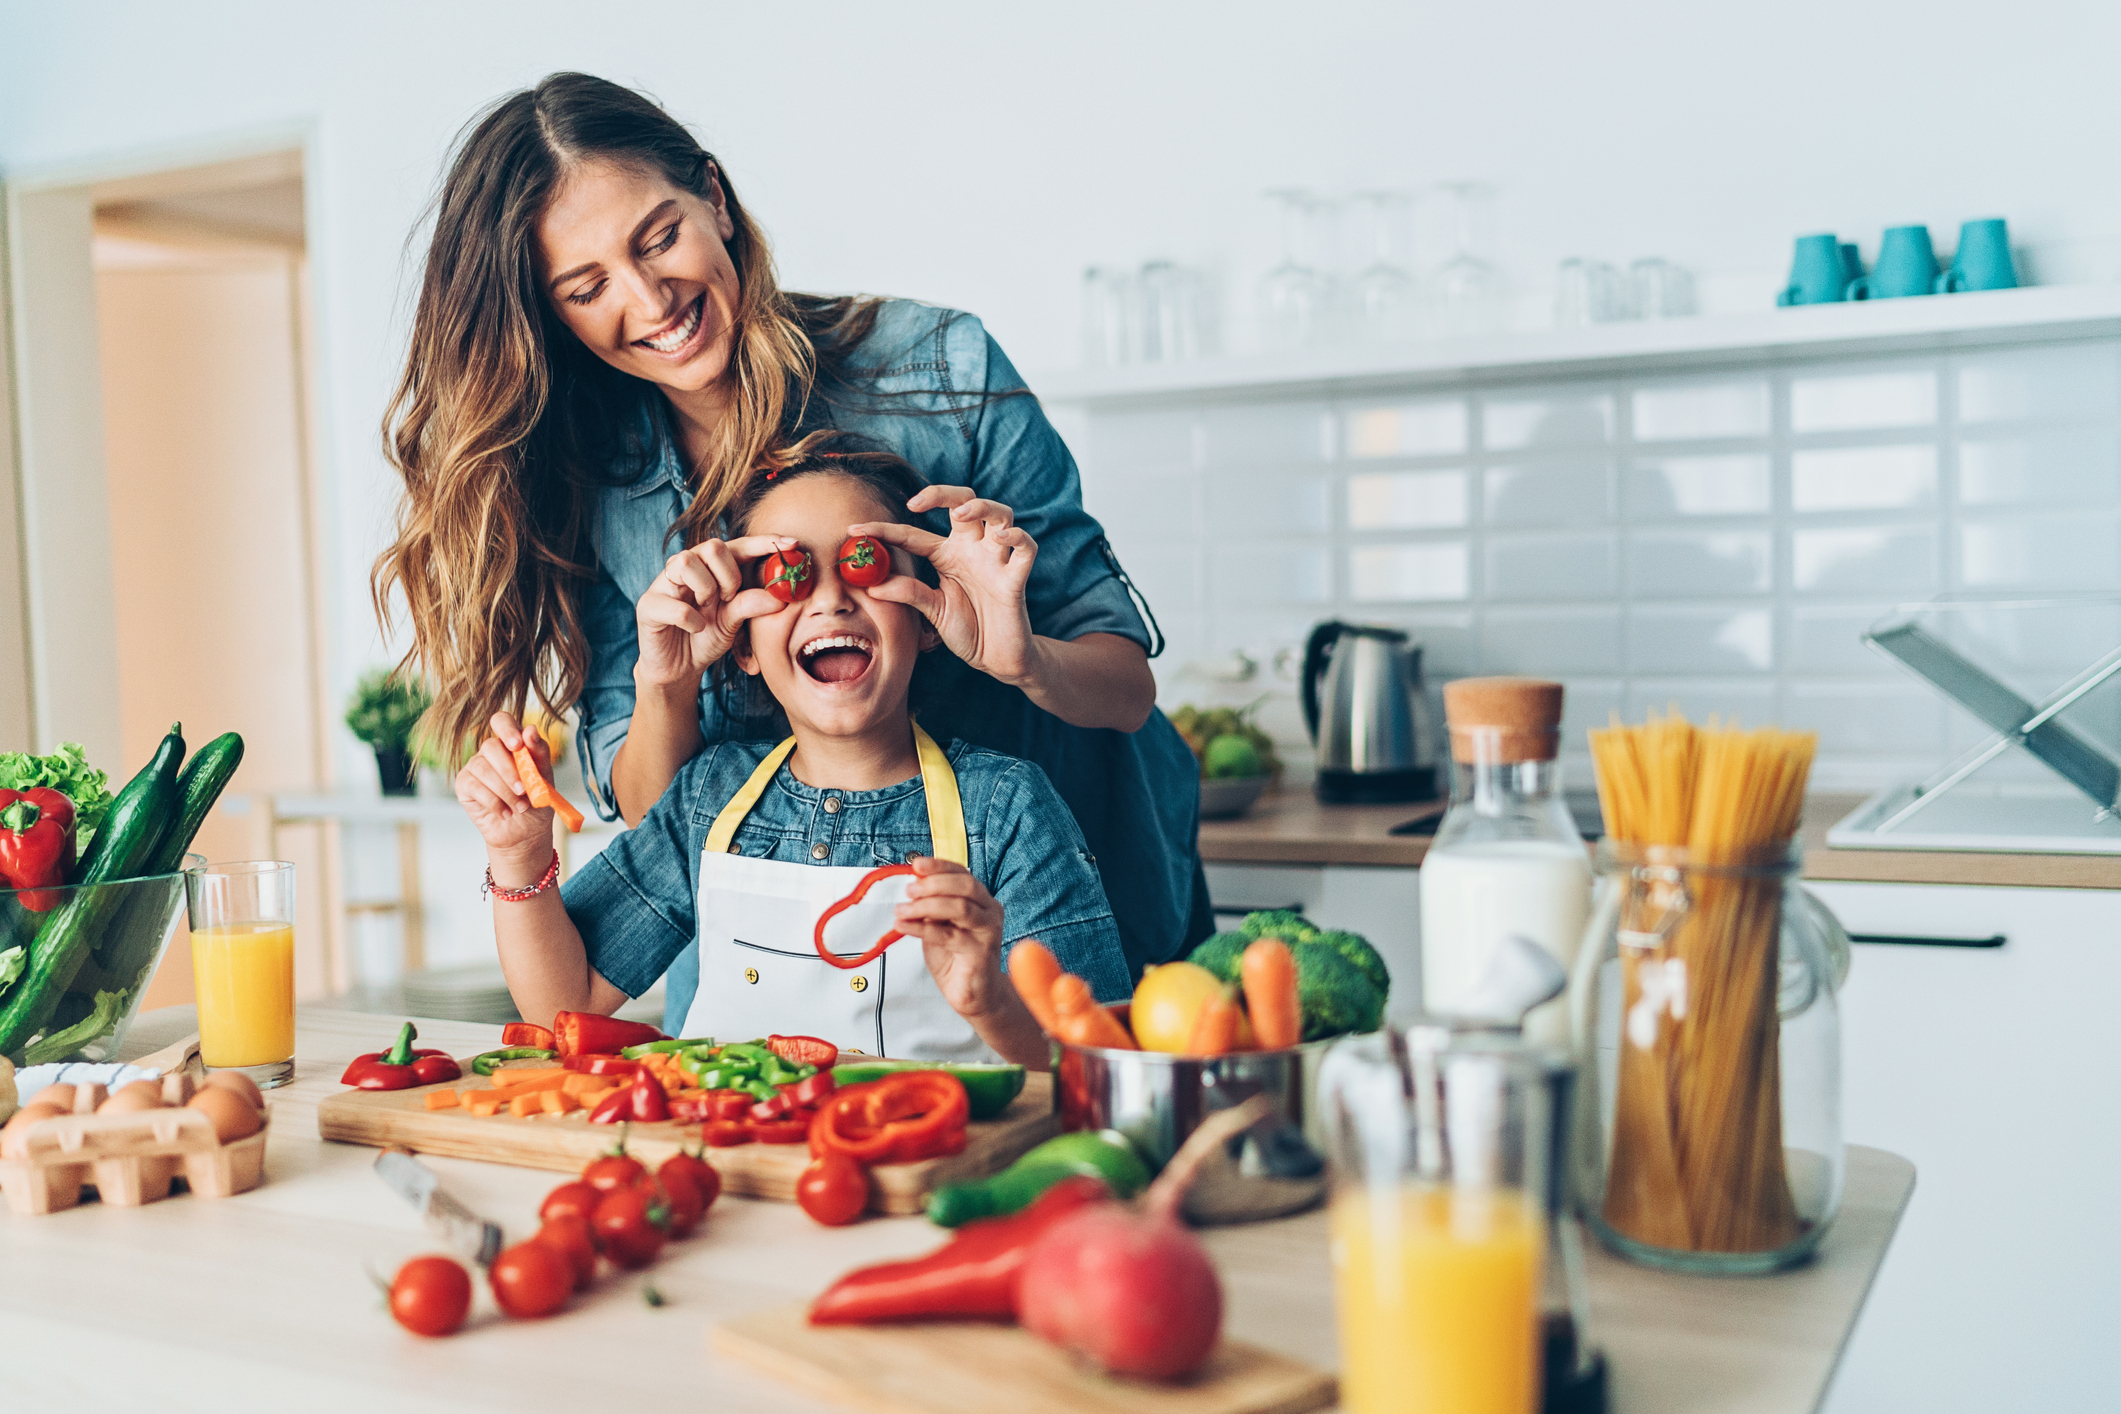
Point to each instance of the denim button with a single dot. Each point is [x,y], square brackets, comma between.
[832,805]
[818,851]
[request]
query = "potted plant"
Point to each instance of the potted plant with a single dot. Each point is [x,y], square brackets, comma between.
[385,711]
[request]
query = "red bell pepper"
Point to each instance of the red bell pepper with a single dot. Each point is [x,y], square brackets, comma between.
[917,1114]
[973,1276]
[36,844]
[522,1033]
[781,1131]
[615,1108]
[804,1050]
[584,1033]
[401,1067]
[650,1103]
[812,1091]
[602,1065]
[726,1133]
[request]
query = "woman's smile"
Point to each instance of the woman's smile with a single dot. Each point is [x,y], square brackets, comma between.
[674,339]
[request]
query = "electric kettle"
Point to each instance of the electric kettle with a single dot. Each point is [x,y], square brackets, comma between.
[1368,716]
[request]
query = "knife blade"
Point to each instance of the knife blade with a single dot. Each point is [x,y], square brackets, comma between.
[445,1217]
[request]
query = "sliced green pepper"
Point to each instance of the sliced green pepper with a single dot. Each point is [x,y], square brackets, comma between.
[686,1044]
[1107,1155]
[484,1064]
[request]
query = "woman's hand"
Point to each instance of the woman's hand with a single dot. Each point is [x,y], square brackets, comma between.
[960,928]
[984,564]
[690,616]
[518,836]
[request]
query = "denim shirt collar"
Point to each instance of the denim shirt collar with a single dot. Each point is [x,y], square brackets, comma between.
[664,471]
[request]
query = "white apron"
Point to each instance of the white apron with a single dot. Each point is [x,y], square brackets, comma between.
[759,968]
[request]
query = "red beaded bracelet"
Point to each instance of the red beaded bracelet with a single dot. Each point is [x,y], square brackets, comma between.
[552,873]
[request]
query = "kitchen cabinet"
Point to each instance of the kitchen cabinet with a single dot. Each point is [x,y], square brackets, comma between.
[1993,1070]
[1382,904]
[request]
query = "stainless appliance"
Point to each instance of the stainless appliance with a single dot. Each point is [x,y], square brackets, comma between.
[1368,715]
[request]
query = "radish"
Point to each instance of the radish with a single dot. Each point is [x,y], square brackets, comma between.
[1131,1289]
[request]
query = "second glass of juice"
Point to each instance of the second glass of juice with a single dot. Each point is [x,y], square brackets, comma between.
[243,963]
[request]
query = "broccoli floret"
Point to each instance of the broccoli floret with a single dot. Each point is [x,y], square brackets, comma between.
[1337,997]
[1222,954]
[1292,928]
[1356,949]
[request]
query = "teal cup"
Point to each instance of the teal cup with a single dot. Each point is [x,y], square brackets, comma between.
[1906,266]
[1851,263]
[1983,260]
[1816,274]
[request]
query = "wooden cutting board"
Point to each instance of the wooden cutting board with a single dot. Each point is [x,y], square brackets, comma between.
[400,1119]
[974,1368]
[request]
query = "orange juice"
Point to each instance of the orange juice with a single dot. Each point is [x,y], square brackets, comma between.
[1438,1300]
[245,974]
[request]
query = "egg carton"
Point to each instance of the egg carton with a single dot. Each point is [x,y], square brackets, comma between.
[129,1159]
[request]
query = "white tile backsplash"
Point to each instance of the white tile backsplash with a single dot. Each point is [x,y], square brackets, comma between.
[1717,541]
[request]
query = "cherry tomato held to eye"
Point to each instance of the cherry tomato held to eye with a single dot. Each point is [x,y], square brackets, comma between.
[864,562]
[788,575]
[431,1296]
[833,1190]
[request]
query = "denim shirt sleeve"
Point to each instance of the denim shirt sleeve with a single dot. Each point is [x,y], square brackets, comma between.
[605,709]
[635,903]
[1042,874]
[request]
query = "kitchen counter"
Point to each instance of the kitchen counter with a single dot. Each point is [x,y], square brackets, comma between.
[262,1301]
[1290,827]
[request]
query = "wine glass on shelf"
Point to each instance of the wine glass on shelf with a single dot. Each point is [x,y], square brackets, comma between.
[1470,294]
[1293,295]
[1385,293]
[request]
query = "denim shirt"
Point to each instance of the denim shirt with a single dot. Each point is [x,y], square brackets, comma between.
[1136,796]
[636,904]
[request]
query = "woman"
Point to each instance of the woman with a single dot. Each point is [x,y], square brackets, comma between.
[600,361]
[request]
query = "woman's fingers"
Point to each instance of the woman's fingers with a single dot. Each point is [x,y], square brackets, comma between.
[980,511]
[497,777]
[910,538]
[932,498]
[507,728]
[904,589]
[929,866]
[668,611]
[721,563]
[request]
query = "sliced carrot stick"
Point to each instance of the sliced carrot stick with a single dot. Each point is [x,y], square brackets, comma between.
[557,1102]
[1034,969]
[524,1106]
[1269,972]
[582,1085]
[482,1102]
[505,1078]
[1215,1029]
[442,1100]
[1080,1021]
[540,791]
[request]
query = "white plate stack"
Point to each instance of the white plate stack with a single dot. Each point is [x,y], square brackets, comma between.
[475,992]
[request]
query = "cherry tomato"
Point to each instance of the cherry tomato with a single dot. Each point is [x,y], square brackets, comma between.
[681,1190]
[613,1172]
[431,1296]
[788,575]
[705,1176]
[864,562]
[577,1199]
[724,1133]
[531,1279]
[834,1190]
[632,1225]
[571,1235]
[780,1131]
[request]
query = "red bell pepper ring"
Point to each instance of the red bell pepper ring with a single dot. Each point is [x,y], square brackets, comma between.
[650,1102]
[893,1120]
[522,1033]
[804,1050]
[726,1133]
[584,1033]
[602,1065]
[781,1131]
[869,881]
[401,1067]
[615,1108]
[812,1091]
[36,845]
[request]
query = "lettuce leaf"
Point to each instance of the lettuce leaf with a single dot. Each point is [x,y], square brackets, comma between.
[68,772]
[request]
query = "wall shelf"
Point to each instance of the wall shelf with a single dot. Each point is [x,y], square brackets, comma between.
[1924,325]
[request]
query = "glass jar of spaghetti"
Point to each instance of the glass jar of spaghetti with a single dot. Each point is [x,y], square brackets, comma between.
[1704,1005]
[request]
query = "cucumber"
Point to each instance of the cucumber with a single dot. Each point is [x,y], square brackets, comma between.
[204,777]
[137,820]
[129,945]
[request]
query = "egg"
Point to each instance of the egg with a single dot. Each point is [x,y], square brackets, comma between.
[131,1099]
[14,1139]
[232,1115]
[59,1094]
[238,1082]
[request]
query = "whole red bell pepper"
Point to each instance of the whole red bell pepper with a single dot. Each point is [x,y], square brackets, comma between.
[401,1067]
[36,844]
[914,1115]
[972,1277]
[584,1033]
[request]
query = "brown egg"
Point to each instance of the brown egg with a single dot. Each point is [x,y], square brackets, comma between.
[131,1099]
[59,1096]
[233,1116]
[14,1139]
[237,1081]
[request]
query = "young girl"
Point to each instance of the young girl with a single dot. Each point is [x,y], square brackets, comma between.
[754,840]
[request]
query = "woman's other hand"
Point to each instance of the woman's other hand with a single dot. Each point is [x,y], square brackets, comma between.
[959,924]
[690,616]
[984,564]
[518,835]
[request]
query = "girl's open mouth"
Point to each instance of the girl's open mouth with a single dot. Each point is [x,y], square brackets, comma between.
[839,659]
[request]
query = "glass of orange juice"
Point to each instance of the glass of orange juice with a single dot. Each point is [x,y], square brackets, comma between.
[1441,1153]
[243,963]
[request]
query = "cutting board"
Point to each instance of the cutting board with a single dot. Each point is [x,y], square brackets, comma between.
[400,1119]
[973,1368]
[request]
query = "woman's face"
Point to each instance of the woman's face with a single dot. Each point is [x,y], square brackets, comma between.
[840,661]
[640,271]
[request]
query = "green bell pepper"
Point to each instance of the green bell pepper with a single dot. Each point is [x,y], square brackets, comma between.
[1107,1155]
[686,1044]
[483,1064]
[990,1088]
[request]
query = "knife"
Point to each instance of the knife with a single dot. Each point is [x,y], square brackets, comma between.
[448,1219]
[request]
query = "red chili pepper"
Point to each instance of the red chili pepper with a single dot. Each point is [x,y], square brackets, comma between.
[36,844]
[804,1050]
[615,1108]
[584,1033]
[869,880]
[401,1067]
[650,1103]
[522,1033]
[726,1133]
[602,1065]
[893,1119]
[973,1276]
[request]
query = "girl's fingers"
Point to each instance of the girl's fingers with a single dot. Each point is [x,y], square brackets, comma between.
[750,604]
[505,726]
[757,547]
[664,610]
[907,537]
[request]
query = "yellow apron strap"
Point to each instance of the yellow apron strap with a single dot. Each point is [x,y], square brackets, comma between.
[946,809]
[723,832]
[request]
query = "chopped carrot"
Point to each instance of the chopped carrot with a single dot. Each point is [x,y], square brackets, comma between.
[1269,972]
[481,1102]
[1215,1029]
[508,1077]
[524,1106]
[442,1100]
[551,1080]
[540,791]
[582,1085]
[1034,970]
[558,1102]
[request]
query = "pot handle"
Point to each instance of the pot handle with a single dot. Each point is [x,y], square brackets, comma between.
[1316,651]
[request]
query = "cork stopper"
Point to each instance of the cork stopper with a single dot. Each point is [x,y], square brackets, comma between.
[1504,720]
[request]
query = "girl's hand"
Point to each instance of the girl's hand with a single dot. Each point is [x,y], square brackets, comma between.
[960,928]
[689,617]
[518,837]
[984,565]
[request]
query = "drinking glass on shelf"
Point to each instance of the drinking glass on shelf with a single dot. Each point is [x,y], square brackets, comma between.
[1385,292]
[1108,301]
[1470,294]
[1167,302]
[1590,292]
[1293,295]
[243,963]
[1661,289]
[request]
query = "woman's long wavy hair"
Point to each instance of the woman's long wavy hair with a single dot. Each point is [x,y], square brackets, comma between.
[505,427]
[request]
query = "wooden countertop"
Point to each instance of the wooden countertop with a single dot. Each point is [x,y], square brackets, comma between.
[1290,827]
[262,1301]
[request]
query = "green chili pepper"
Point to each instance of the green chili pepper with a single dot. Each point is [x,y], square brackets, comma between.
[759,1089]
[688,1043]
[484,1064]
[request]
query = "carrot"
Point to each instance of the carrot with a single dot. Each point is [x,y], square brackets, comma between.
[540,790]
[1215,1030]
[582,1085]
[557,1102]
[1269,972]
[533,1082]
[482,1102]
[524,1106]
[1080,1021]
[442,1100]
[1034,969]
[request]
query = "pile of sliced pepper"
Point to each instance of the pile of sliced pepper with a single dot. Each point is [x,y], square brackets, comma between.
[918,1114]
[401,1067]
